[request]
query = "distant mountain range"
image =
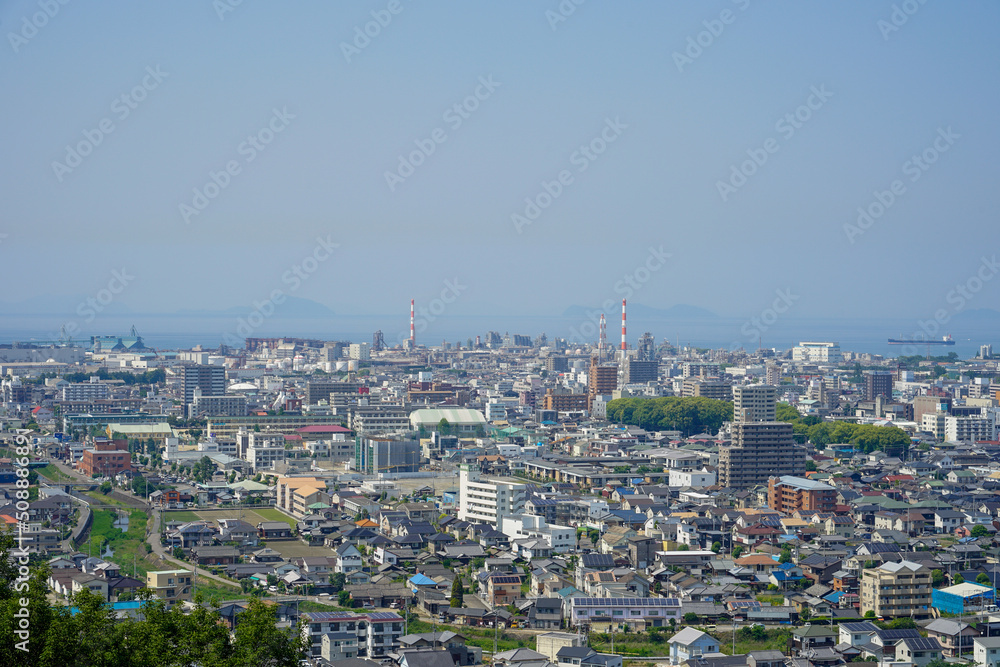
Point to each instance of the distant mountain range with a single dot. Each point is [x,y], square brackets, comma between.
[291,307]
[681,311]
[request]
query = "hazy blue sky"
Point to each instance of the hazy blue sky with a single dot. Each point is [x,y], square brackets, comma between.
[673,130]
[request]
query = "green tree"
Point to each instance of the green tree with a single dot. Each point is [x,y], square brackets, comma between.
[979,530]
[716,546]
[958,579]
[258,642]
[106,488]
[786,555]
[338,580]
[870,614]
[689,415]
[457,593]
[344,598]
[983,578]
[937,578]
[690,618]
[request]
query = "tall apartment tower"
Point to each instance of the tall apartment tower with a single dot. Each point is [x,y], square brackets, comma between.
[602,380]
[754,403]
[760,447]
[488,500]
[211,380]
[878,383]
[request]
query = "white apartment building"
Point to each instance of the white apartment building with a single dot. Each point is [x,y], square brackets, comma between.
[213,446]
[968,429]
[359,352]
[488,500]
[933,422]
[496,411]
[812,352]
[86,391]
[754,403]
[697,479]
[532,526]
[263,453]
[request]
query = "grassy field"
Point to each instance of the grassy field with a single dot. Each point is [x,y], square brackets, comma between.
[103,499]
[270,514]
[183,515]
[481,637]
[775,639]
[213,590]
[53,474]
[129,548]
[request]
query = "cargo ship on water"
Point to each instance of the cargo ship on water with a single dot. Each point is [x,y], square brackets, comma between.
[946,340]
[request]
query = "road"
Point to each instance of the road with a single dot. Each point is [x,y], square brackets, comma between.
[153,539]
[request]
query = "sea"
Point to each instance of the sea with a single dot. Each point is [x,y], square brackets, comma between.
[855,335]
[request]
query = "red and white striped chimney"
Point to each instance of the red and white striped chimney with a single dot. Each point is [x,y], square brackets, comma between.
[413,335]
[623,325]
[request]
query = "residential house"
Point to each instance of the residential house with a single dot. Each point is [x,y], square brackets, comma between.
[956,638]
[691,643]
[349,559]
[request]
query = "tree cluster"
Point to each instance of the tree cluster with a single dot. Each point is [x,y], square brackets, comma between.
[689,415]
[866,437]
[92,636]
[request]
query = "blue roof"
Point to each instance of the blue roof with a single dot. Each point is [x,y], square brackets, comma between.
[116,606]
[833,597]
[421,580]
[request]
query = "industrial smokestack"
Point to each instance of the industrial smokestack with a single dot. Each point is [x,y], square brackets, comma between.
[623,326]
